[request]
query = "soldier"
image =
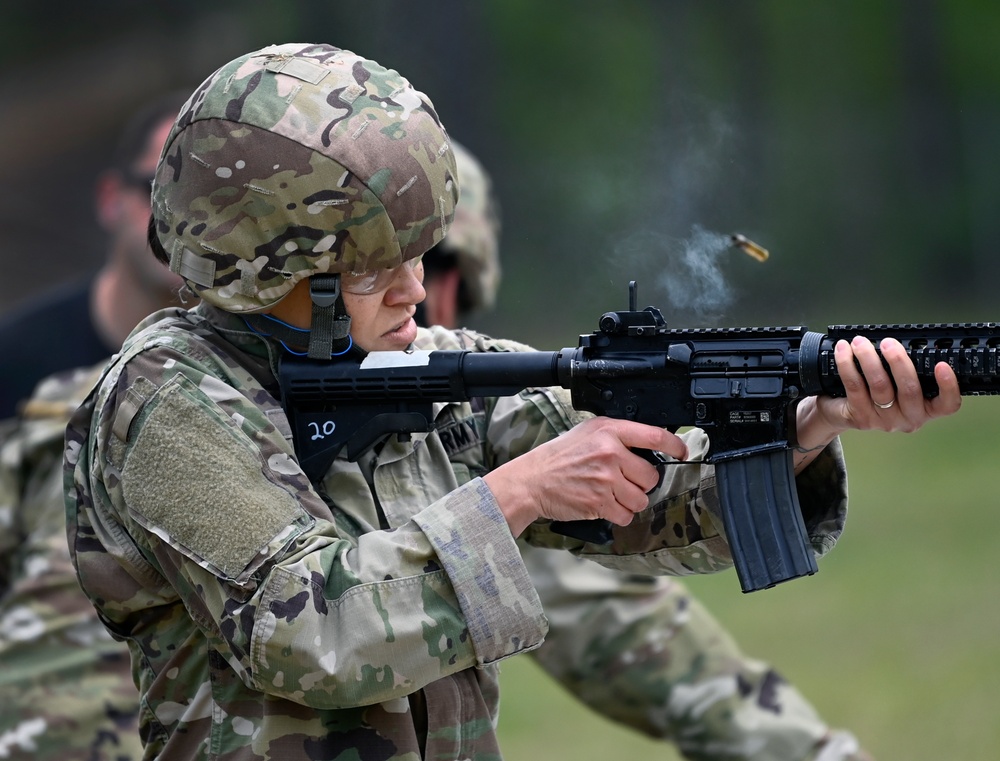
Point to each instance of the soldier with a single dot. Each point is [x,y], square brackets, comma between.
[462,272]
[362,615]
[82,323]
[695,687]
[65,685]
[461,276]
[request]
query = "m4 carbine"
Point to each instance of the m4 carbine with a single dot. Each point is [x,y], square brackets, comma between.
[739,385]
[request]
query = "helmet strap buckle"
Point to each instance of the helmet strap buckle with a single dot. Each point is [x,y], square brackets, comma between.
[330,330]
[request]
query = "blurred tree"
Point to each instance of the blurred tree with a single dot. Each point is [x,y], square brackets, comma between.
[855,140]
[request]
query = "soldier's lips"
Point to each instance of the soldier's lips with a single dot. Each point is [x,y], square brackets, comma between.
[404,333]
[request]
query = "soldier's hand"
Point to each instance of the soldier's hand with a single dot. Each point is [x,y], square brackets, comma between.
[876,398]
[589,472]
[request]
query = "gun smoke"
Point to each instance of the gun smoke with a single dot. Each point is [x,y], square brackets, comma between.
[688,270]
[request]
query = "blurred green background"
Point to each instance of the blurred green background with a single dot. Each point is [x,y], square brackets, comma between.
[858,141]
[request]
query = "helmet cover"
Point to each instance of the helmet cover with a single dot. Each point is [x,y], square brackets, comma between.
[297,160]
[474,236]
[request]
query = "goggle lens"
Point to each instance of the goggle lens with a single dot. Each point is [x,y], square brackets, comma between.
[375,281]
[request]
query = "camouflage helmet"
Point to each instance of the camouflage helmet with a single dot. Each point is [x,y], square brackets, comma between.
[297,160]
[474,236]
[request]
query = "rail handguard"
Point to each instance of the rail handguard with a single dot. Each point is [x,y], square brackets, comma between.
[739,385]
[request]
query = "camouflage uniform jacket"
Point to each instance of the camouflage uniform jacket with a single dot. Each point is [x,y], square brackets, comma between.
[363,617]
[66,688]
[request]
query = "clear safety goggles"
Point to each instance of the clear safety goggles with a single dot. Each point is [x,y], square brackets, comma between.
[375,281]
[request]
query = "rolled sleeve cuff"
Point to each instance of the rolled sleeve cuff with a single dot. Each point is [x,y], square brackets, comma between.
[481,558]
[822,489]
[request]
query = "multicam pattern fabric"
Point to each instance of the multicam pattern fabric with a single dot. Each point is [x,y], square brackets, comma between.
[474,235]
[297,160]
[637,649]
[66,687]
[362,618]
[644,652]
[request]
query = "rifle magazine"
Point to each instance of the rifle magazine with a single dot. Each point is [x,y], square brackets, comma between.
[763,522]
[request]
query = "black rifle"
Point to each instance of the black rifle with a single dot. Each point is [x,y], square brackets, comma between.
[739,385]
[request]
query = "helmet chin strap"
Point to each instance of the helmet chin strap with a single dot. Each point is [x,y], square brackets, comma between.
[330,331]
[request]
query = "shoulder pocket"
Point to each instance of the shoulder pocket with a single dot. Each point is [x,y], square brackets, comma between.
[196,480]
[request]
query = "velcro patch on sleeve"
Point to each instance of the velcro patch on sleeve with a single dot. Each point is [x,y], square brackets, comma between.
[196,480]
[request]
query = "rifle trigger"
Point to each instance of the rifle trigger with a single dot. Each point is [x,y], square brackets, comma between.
[658,460]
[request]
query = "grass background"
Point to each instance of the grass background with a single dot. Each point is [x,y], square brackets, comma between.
[896,638]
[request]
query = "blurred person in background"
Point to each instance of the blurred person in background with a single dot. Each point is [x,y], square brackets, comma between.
[83,323]
[640,650]
[66,687]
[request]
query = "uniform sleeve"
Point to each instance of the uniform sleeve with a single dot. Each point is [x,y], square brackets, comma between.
[206,485]
[55,655]
[680,533]
[643,651]
[10,490]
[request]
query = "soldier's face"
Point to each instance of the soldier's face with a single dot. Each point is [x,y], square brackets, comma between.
[124,211]
[380,321]
[383,321]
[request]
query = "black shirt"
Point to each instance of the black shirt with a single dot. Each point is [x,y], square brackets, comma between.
[54,332]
